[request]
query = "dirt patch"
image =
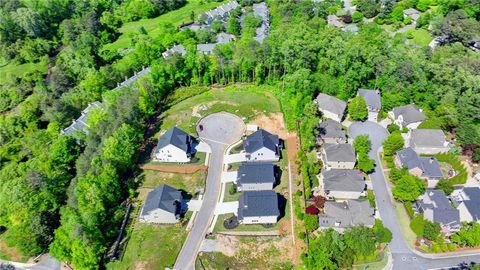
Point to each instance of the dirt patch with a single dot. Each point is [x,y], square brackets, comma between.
[11,253]
[141,265]
[175,169]
[272,123]
[228,244]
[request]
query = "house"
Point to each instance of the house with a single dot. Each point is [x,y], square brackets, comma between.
[426,168]
[373,100]
[206,48]
[223,38]
[335,21]
[331,107]
[176,49]
[412,13]
[409,116]
[436,207]
[342,184]
[467,201]
[330,131]
[81,123]
[163,205]
[341,215]
[338,156]
[256,176]
[262,146]
[219,13]
[258,207]
[428,141]
[260,10]
[175,145]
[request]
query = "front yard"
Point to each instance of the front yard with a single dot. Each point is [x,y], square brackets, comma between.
[187,182]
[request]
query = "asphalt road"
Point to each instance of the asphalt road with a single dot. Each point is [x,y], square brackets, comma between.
[219,131]
[403,256]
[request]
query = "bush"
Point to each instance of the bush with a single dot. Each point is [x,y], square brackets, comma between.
[371,198]
[382,234]
[393,143]
[310,222]
[232,189]
[298,193]
[431,230]
[450,158]
[409,207]
[445,185]
[392,128]
[357,16]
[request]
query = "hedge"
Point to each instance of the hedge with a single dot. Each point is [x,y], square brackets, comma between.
[462,174]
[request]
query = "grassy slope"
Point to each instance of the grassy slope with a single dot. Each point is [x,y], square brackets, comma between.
[421,37]
[18,70]
[175,17]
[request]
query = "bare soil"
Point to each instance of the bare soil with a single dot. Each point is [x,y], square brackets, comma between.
[272,123]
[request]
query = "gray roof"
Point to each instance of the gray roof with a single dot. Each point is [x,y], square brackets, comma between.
[410,11]
[429,165]
[343,180]
[427,138]
[206,48]
[371,97]
[346,214]
[224,38]
[331,104]
[258,203]
[473,202]
[411,113]
[81,122]
[342,152]
[331,129]
[261,138]
[222,10]
[335,21]
[180,49]
[443,212]
[261,10]
[163,197]
[176,137]
[256,172]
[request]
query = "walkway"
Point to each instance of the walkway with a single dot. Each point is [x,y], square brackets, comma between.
[219,131]
[403,256]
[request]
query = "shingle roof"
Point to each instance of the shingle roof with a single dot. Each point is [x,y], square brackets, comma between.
[176,137]
[473,202]
[331,129]
[180,49]
[163,197]
[261,138]
[410,113]
[256,172]
[348,213]
[331,104]
[261,10]
[258,203]
[224,38]
[410,11]
[206,48]
[443,212]
[342,152]
[429,165]
[223,9]
[343,180]
[371,97]
[81,122]
[427,138]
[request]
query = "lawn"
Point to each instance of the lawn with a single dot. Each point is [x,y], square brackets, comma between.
[246,101]
[10,253]
[187,182]
[404,221]
[19,70]
[151,247]
[375,265]
[230,197]
[421,37]
[174,17]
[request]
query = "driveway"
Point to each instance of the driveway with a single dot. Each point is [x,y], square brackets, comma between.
[403,256]
[235,158]
[227,208]
[219,131]
[229,176]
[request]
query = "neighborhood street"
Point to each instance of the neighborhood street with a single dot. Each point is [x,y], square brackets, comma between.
[403,256]
[219,130]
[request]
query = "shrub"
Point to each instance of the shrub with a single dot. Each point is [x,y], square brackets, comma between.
[357,16]
[417,224]
[298,193]
[392,128]
[431,230]
[408,206]
[310,222]
[445,185]
[232,189]
[393,143]
[371,198]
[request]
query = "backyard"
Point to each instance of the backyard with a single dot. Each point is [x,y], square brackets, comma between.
[19,70]
[187,182]
[174,17]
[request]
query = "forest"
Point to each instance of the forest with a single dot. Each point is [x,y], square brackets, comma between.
[67,194]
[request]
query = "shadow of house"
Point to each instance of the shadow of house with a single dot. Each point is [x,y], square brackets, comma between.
[282,204]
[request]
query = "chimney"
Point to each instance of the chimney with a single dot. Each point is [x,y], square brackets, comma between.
[377,92]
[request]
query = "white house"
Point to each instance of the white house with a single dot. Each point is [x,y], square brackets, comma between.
[176,49]
[262,146]
[428,141]
[331,107]
[467,200]
[256,176]
[409,116]
[81,122]
[175,145]
[338,156]
[163,205]
[342,184]
[258,207]
[373,100]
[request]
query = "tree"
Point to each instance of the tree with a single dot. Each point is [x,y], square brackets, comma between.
[233,26]
[369,8]
[431,230]
[445,185]
[357,108]
[458,27]
[310,222]
[408,188]
[393,143]
[362,144]
[392,128]
[357,17]
[382,234]
[365,163]
[218,26]
[469,235]
[361,240]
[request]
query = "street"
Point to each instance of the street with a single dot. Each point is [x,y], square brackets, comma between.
[403,256]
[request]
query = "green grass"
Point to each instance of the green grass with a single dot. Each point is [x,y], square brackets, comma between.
[230,197]
[246,101]
[404,221]
[10,253]
[13,69]
[379,264]
[421,37]
[151,247]
[175,17]
[187,182]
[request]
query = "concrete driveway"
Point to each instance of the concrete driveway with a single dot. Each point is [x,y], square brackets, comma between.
[219,131]
[226,208]
[235,158]
[403,256]
[229,176]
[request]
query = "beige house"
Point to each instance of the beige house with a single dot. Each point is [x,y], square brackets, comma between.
[342,184]
[409,116]
[338,156]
